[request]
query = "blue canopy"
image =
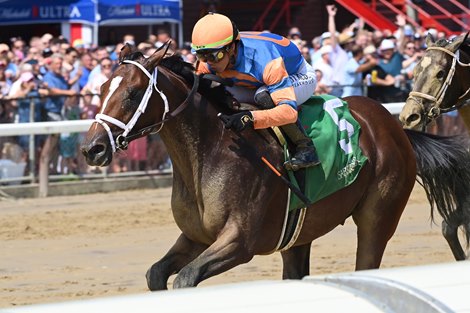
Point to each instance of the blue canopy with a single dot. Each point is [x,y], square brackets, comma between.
[128,12]
[105,12]
[46,11]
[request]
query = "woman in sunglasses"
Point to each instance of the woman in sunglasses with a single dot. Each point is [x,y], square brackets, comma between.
[266,69]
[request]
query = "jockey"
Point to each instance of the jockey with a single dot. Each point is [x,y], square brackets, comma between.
[266,69]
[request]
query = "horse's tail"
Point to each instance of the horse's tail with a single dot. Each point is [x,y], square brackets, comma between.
[444,168]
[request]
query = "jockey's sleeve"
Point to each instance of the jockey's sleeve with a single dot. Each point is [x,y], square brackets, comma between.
[279,85]
[278,116]
[202,68]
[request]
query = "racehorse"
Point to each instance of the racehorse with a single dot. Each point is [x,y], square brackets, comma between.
[441,84]
[226,202]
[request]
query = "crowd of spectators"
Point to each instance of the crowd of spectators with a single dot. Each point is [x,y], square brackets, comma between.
[60,80]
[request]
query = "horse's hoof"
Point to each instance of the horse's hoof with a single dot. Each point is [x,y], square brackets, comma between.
[153,283]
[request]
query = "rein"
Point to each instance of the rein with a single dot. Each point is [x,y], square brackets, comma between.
[435,109]
[122,140]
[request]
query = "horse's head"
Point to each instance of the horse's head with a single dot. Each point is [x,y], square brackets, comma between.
[132,105]
[436,86]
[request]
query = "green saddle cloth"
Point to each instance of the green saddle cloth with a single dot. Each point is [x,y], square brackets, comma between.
[335,133]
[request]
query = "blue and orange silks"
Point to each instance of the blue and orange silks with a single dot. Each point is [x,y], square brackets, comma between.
[266,59]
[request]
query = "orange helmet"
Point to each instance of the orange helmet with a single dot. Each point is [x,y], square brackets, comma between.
[213,31]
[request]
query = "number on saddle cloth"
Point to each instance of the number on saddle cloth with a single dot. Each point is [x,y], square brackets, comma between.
[335,133]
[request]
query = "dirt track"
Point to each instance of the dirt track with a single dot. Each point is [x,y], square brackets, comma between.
[67,248]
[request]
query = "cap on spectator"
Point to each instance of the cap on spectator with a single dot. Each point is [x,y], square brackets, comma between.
[346,37]
[370,49]
[32,61]
[26,77]
[325,35]
[387,44]
[46,53]
[26,67]
[4,47]
[295,32]
[78,43]
[46,38]
[326,49]
[417,36]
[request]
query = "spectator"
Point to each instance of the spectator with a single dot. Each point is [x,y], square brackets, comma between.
[72,66]
[411,58]
[91,105]
[26,90]
[5,81]
[46,40]
[354,69]
[324,65]
[18,48]
[294,33]
[58,89]
[321,88]
[99,54]
[314,51]
[390,59]
[86,65]
[33,53]
[339,57]
[380,83]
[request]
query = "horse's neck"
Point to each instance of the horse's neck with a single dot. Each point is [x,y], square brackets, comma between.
[190,137]
[463,76]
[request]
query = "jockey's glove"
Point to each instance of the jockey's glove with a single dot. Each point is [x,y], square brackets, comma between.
[238,121]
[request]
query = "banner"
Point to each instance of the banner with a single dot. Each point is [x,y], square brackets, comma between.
[138,11]
[108,12]
[46,11]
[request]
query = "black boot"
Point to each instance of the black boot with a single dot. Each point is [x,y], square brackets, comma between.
[305,153]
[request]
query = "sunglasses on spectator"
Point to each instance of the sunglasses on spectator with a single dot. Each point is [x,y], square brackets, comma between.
[107,65]
[211,56]
[410,48]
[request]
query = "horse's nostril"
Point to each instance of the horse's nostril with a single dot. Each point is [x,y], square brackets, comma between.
[96,149]
[412,118]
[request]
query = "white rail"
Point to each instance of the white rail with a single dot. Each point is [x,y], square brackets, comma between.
[83,125]
[438,288]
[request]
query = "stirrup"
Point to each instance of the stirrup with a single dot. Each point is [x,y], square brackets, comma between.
[302,159]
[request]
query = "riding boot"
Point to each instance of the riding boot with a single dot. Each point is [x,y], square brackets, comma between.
[305,152]
[305,155]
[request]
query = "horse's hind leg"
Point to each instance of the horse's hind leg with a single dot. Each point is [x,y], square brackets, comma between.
[449,231]
[376,223]
[228,251]
[182,252]
[296,262]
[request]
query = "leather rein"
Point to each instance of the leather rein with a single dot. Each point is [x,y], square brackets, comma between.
[435,109]
[122,140]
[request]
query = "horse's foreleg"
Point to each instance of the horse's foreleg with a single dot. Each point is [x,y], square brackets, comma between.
[183,251]
[450,234]
[296,262]
[228,251]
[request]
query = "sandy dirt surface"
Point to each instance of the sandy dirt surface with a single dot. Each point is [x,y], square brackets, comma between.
[75,247]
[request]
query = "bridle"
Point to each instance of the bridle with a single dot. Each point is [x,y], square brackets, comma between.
[435,109]
[122,140]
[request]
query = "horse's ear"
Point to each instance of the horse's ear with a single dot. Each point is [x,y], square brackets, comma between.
[158,55]
[429,40]
[126,50]
[457,42]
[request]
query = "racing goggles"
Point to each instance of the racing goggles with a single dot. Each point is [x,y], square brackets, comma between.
[211,56]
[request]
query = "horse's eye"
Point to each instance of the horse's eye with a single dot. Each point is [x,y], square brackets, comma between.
[440,74]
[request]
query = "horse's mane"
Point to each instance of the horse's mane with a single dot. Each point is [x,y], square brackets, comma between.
[465,46]
[178,66]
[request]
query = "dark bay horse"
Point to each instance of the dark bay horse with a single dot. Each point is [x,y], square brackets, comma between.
[441,84]
[226,202]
